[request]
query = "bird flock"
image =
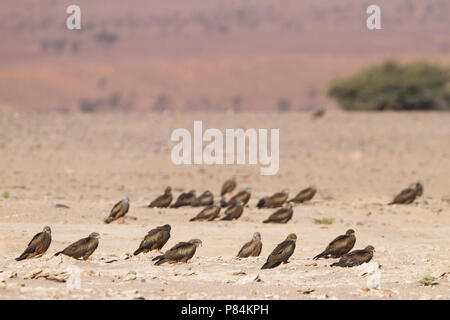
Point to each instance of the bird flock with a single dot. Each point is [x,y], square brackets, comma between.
[339,248]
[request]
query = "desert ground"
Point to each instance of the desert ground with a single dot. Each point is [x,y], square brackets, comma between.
[358,161]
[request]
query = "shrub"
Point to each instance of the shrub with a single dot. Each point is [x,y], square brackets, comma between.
[415,86]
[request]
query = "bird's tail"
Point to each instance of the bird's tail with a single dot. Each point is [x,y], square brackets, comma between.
[336,264]
[267,265]
[193,219]
[139,250]
[266,221]
[160,261]
[391,203]
[22,256]
[58,253]
[226,218]
[157,258]
[320,255]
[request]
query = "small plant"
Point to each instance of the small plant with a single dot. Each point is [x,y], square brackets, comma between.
[324,220]
[5,195]
[327,197]
[428,281]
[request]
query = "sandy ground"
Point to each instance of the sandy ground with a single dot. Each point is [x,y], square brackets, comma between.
[358,161]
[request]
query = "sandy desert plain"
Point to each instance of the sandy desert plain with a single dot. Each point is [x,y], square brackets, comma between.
[358,161]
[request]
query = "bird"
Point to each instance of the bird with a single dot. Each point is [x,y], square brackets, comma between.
[339,246]
[119,210]
[408,195]
[355,257]
[274,201]
[205,199]
[305,195]
[281,253]
[181,252]
[184,199]
[234,211]
[243,196]
[38,245]
[154,240]
[282,215]
[228,186]
[208,214]
[319,113]
[163,201]
[82,248]
[251,248]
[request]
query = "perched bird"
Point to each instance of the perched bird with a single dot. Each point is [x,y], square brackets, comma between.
[38,245]
[228,186]
[208,214]
[234,211]
[281,253]
[154,240]
[83,248]
[163,201]
[243,196]
[339,246]
[251,248]
[282,215]
[184,199]
[119,210]
[319,113]
[355,258]
[181,252]
[205,199]
[305,195]
[408,195]
[274,201]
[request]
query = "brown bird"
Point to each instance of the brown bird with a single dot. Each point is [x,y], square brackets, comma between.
[38,245]
[319,113]
[305,195]
[208,214]
[339,246]
[251,248]
[243,196]
[274,201]
[181,252]
[119,210]
[205,199]
[281,253]
[228,186]
[184,199]
[82,248]
[234,211]
[282,215]
[163,201]
[355,258]
[154,240]
[408,195]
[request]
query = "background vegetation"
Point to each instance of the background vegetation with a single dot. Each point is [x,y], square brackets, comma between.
[391,86]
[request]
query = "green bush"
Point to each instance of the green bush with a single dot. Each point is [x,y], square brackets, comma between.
[415,86]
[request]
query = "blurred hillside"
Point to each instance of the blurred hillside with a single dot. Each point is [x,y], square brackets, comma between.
[203,55]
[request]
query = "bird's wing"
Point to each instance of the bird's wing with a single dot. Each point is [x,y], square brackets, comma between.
[36,239]
[118,207]
[279,198]
[405,195]
[279,215]
[247,249]
[282,251]
[228,186]
[77,248]
[179,251]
